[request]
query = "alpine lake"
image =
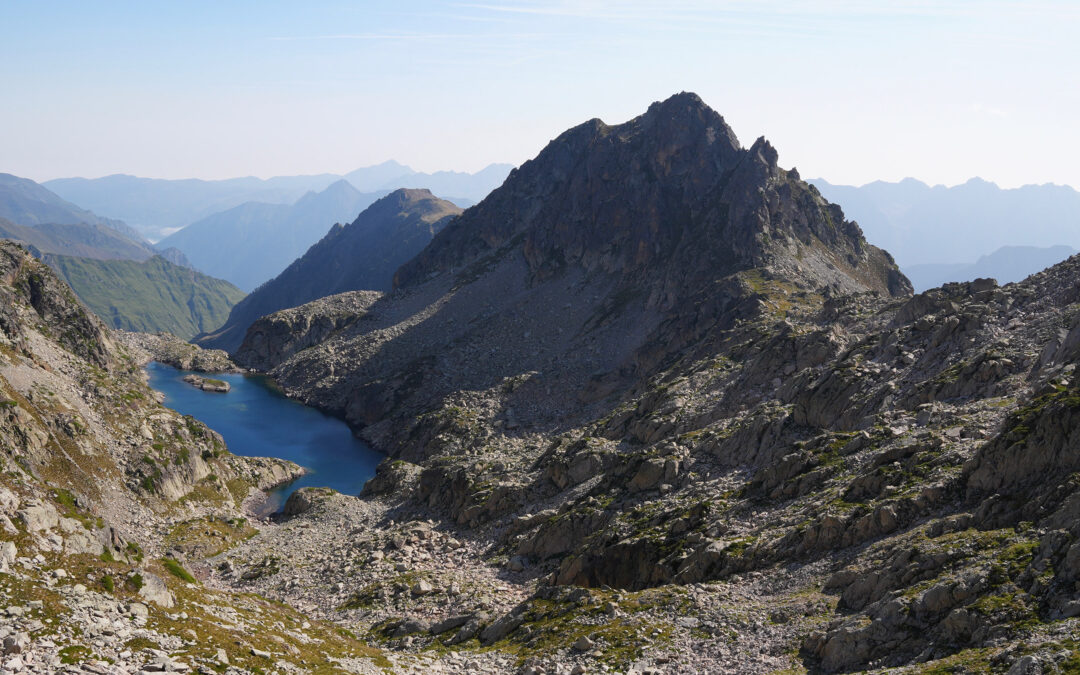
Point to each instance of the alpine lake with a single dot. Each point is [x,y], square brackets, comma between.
[257,420]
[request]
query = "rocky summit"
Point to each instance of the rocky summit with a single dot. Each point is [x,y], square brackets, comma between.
[653,406]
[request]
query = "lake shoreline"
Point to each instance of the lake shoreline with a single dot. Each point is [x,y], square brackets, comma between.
[257,419]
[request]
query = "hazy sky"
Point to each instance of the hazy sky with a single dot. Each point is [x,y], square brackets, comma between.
[849,91]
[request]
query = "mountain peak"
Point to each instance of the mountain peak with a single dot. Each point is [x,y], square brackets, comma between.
[408,195]
[668,193]
[682,101]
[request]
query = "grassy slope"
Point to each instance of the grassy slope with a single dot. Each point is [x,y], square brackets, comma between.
[150,296]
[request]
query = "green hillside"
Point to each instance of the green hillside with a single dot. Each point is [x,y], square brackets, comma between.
[149,296]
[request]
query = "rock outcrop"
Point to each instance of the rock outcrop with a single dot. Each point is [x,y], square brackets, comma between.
[171,350]
[276,337]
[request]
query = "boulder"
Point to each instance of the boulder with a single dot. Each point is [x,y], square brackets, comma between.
[648,475]
[37,516]
[449,624]
[7,554]
[9,501]
[16,643]
[422,587]
[468,630]
[502,627]
[305,499]
[154,590]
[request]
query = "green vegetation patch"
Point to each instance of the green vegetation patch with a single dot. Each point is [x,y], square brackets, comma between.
[177,570]
[551,625]
[74,654]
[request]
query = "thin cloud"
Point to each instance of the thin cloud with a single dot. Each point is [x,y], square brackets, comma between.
[411,37]
[719,11]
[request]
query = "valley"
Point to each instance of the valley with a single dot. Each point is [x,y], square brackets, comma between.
[653,405]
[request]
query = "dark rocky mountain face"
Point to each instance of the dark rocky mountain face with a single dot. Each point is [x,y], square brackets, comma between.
[670,191]
[360,256]
[614,251]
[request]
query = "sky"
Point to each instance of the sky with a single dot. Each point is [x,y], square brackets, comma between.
[848,91]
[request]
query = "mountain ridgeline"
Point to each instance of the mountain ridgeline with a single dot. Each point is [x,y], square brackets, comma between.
[362,255]
[920,224]
[1008,264]
[81,239]
[158,207]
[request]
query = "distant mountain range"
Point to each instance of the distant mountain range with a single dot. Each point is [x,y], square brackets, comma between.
[113,270]
[24,202]
[253,242]
[158,207]
[148,296]
[919,224]
[360,256]
[1008,264]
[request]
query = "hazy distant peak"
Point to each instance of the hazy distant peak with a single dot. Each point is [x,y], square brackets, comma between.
[339,188]
[977,182]
[391,164]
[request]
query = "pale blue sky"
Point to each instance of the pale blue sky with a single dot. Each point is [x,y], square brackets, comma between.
[849,91]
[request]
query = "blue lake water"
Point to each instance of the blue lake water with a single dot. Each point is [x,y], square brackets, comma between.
[256,420]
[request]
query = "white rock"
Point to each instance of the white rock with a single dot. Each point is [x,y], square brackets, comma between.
[7,554]
[583,644]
